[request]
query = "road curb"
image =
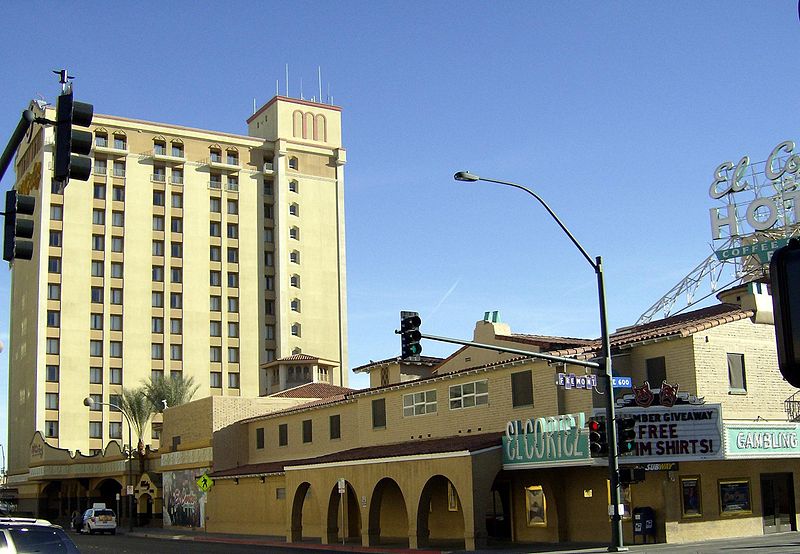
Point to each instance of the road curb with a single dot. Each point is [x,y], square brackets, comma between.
[277,544]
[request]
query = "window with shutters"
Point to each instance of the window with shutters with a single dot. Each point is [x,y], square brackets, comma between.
[336,426]
[379,413]
[736,374]
[522,388]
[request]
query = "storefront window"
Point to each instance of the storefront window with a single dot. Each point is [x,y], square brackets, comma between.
[734,497]
[691,503]
[536,506]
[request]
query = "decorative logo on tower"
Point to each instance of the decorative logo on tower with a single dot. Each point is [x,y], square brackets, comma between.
[759,199]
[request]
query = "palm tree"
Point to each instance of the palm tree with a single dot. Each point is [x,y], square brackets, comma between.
[137,406]
[167,393]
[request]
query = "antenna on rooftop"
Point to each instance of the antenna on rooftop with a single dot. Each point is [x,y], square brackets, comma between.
[287,80]
[254,104]
[277,90]
[301,89]
[319,79]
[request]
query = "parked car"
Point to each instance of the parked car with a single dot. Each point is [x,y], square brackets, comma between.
[20,534]
[99,520]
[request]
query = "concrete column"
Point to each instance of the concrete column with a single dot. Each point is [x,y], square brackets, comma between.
[412,540]
[371,537]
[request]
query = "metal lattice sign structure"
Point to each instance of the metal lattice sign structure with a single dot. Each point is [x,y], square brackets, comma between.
[756,212]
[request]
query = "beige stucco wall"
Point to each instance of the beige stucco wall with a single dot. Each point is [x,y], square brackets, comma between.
[766,388]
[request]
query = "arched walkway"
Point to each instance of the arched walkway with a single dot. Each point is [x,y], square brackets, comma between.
[305,514]
[348,518]
[440,518]
[498,510]
[106,491]
[388,515]
[50,501]
[145,509]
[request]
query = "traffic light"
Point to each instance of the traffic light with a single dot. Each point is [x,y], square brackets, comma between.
[784,275]
[626,434]
[72,145]
[598,440]
[16,229]
[410,335]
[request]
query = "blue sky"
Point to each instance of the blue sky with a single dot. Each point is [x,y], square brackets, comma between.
[617,113]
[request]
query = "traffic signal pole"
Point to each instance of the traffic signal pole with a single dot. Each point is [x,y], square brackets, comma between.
[16,139]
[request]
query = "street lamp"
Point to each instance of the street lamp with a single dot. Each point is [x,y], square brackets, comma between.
[611,429]
[90,403]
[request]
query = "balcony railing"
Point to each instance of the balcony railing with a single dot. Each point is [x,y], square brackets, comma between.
[159,178]
[215,184]
[175,180]
[101,142]
[792,407]
[233,187]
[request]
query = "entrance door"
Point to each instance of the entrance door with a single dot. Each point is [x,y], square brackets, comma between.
[777,501]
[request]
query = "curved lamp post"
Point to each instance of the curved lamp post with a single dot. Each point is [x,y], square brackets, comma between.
[91,404]
[611,429]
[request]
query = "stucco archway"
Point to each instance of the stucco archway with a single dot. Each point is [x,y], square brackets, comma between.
[498,508]
[106,491]
[388,514]
[50,501]
[305,514]
[348,519]
[440,517]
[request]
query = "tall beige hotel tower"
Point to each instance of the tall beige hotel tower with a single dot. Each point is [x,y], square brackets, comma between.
[188,252]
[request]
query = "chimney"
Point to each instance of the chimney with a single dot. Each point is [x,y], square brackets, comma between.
[754,296]
[487,329]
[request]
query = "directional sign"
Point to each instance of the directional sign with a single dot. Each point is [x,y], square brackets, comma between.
[621,382]
[762,249]
[205,482]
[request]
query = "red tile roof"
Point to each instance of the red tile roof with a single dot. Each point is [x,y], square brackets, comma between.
[469,443]
[312,390]
[423,360]
[297,357]
[682,325]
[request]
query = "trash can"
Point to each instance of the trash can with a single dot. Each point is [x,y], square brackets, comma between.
[644,523]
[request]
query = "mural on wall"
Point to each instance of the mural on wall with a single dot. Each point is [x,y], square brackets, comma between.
[184,503]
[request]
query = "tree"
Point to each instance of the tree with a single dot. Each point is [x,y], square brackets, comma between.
[167,393]
[137,406]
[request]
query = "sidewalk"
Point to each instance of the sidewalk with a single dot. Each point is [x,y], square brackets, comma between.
[271,542]
[782,542]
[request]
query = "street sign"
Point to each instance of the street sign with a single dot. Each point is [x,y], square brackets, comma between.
[205,483]
[622,382]
[129,490]
[572,381]
[762,249]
